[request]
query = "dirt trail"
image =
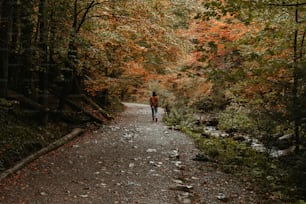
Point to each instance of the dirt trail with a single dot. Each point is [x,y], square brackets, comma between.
[133,160]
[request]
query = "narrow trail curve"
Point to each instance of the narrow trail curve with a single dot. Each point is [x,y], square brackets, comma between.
[132,160]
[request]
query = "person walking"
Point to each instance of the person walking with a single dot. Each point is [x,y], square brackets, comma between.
[154,106]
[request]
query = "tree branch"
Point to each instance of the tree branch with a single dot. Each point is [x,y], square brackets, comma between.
[302,44]
[99,16]
[288,5]
[75,17]
[81,10]
[91,5]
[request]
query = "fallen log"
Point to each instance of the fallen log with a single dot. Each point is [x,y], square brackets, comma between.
[98,108]
[75,132]
[24,100]
[88,113]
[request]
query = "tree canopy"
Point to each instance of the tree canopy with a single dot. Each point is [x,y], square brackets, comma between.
[243,61]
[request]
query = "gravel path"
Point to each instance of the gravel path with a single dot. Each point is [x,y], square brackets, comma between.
[132,161]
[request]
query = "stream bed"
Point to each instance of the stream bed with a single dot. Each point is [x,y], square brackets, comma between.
[253,142]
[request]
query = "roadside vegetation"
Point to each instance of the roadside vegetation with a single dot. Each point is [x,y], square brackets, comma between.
[279,177]
[232,72]
[241,94]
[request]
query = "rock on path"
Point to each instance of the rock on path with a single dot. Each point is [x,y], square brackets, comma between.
[131,161]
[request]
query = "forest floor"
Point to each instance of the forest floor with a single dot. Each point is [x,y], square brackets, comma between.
[130,160]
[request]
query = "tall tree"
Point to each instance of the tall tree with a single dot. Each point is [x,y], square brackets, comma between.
[297,106]
[44,55]
[79,18]
[5,35]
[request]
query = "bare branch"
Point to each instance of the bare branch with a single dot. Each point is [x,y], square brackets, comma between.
[99,16]
[91,5]
[302,44]
[83,9]
[288,5]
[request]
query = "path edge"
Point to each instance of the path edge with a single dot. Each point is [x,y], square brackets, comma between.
[58,143]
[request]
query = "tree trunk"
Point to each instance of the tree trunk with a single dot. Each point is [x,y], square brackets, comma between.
[24,76]
[16,27]
[86,112]
[43,25]
[97,107]
[295,103]
[6,19]
[75,83]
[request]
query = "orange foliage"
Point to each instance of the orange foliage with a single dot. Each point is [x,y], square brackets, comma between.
[134,68]
[220,32]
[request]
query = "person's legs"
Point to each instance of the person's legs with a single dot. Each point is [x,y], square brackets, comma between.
[153,113]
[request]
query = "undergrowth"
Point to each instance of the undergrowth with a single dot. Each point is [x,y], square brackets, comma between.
[244,162]
[281,178]
[20,136]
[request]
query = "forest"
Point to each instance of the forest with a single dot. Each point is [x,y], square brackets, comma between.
[233,74]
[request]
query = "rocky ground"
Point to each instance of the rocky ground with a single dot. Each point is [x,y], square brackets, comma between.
[132,160]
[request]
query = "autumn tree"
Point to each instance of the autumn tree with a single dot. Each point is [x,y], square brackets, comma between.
[271,57]
[52,47]
[135,38]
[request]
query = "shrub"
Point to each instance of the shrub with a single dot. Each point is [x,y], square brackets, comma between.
[236,117]
[180,117]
